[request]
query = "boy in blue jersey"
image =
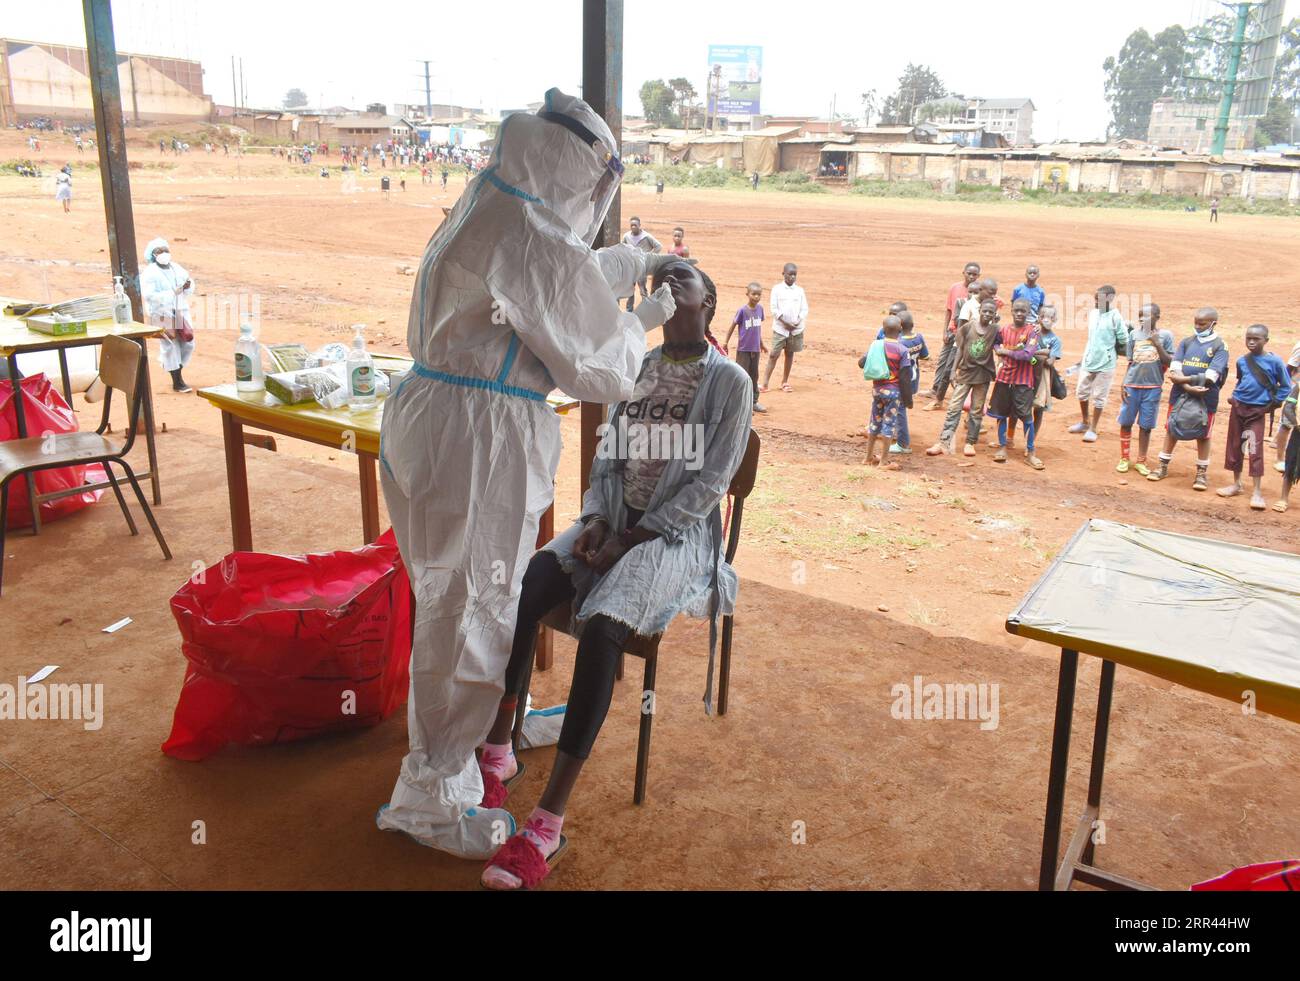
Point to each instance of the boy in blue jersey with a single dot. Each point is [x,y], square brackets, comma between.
[1150,351]
[1198,370]
[1263,383]
[1031,291]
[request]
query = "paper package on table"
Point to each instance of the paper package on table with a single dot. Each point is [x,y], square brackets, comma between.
[326,385]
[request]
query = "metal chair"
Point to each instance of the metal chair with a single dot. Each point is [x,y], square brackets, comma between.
[647,648]
[119,370]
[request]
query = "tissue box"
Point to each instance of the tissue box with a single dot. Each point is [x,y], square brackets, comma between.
[297,387]
[55,325]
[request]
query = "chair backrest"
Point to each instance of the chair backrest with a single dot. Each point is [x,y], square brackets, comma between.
[119,370]
[743,482]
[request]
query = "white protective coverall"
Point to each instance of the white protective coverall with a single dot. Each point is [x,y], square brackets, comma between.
[509,303]
[163,303]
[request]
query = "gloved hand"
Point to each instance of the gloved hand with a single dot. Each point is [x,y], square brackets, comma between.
[654,261]
[656,309]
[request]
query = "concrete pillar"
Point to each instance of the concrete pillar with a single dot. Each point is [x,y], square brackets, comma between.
[1076,174]
[1036,181]
[1294,194]
[1113,185]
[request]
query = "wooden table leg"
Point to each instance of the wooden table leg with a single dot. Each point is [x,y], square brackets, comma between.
[21,421]
[67,378]
[241,524]
[149,427]
[545,636]
[369,497]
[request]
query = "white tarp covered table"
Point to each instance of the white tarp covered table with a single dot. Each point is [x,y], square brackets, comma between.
[1213,616]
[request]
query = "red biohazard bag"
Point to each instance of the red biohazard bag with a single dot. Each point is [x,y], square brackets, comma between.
[44,411]
[1283,876]
[286,647]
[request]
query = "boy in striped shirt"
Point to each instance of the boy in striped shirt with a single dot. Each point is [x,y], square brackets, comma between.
[1016,384]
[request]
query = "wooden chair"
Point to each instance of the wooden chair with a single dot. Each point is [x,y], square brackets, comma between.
[647,648]
[119,370]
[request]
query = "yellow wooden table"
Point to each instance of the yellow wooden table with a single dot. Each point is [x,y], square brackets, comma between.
[341,429]
[16,338]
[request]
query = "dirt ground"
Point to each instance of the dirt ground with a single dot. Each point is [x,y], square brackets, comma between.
[854,579]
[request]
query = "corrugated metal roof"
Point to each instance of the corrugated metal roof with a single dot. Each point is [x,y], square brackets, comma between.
[902,149]
[839,140]
[773,131]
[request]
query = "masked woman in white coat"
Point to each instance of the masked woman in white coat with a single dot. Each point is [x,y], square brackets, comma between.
[165,288]
[510,302]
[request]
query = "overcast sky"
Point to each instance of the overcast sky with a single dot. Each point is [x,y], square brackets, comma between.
[507,53]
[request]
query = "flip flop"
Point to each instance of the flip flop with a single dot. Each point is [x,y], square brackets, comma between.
[787,388]
[524,860]
[1259,505]
[1280,507]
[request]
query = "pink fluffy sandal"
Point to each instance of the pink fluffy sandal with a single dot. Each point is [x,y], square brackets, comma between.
[521,857]
[496,790]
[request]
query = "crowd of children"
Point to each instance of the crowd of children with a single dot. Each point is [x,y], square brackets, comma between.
[1007,370]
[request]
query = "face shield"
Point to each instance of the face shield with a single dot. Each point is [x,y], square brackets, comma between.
[606,162]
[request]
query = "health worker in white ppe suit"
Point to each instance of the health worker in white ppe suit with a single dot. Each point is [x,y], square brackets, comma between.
[166,288]
[510,302]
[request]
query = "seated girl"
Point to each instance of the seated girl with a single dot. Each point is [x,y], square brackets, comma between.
[647,547]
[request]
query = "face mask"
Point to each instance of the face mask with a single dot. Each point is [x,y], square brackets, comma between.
[1204,333]
[163,259]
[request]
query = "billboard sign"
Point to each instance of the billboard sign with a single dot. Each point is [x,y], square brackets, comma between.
[735,79]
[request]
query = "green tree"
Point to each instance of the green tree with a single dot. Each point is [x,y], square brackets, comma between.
[1146,69]
[942,111]
[1278,124]
[295,99]
[657,99]
[684,101]
[1275,125]
[918,84]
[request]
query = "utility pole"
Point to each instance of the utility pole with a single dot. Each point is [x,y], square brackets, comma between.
[1230,81]
[242,87]
[428,94]
[234,87]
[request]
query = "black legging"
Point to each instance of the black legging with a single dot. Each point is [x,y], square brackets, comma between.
[545,587]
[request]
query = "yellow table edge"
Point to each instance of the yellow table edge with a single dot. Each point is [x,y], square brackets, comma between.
[294,421]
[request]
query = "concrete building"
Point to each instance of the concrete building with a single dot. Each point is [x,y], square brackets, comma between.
[1070,168]
[1013,119]
[53,80]
[1189,126]
[367,129]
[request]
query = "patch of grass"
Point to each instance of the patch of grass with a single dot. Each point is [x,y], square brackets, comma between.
[923,615]
[911,489]
[857,475]
[957,503]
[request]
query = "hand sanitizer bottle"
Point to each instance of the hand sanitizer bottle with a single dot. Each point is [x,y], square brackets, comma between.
[248,362]
[361,374]
[121,303]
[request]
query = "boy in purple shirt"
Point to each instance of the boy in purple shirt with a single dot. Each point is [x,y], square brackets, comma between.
[750,348]
[891,396]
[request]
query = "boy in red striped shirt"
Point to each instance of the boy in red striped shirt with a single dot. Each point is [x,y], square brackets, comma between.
[1016,347]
